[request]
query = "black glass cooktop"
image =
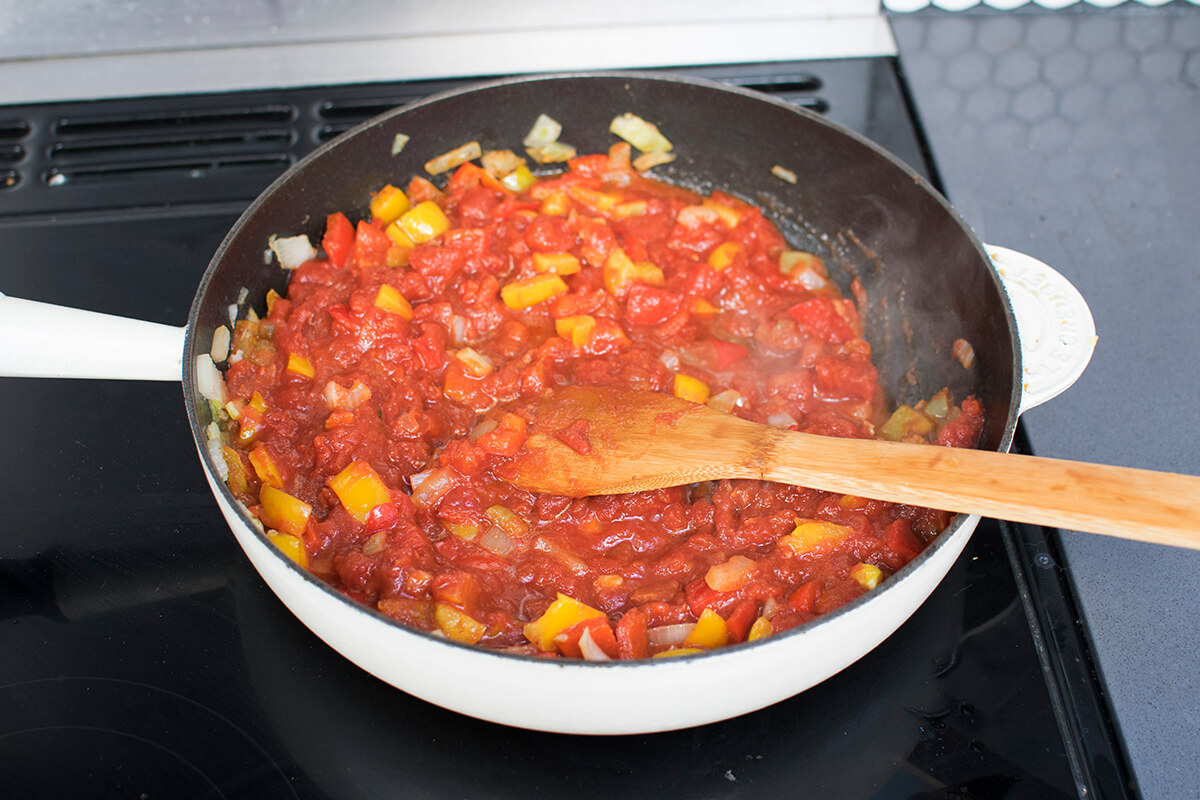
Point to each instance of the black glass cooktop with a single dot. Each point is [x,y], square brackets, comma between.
[142,657]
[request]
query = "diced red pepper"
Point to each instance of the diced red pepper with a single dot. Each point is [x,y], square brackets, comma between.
[741,616]
[649,305]
[601,632]
[725,353]
[338,239]
[701,596]
[820,317]
[805,598]
[506,438]
[633,639]
[371,245]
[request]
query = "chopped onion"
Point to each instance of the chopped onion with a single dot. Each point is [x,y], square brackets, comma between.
[781,419]
[453,158]
[643,135]
[399,142]
[220,344]
[458,329]
[431,486]
[726,401]
[208,379]
[484,427]
[783,173]
[669,635]
[498,540]
[544,131]
[218,458]
[292,251]
[963,351]
[669,359]
[551,153]
[231,310]
[590,650]
[650,160]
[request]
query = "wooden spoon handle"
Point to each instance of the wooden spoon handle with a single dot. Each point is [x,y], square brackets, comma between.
[1147,506]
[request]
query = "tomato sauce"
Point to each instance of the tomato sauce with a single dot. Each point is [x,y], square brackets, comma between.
[371,428]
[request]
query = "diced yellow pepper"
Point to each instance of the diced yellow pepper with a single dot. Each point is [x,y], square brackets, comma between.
[867,575]
[710,631]
[531,291]
[555,204]
[281,511]
[457,625]
[388,298]
[388,204]
[562,614]
[620,272]
[265,467]
[850,501]
[594,198]
[558,263]
[577,329]
[360,489]
[630,208]
[507,519]
[292,547]
[397,255]
[761,627]
[701,306]
[730,216]
[257,403]
[463,530]
[300,365]
[399,236]
[814,534]
[686,387]
[423,222]
[723,254]
[519,179]
[678,651]
[906,422]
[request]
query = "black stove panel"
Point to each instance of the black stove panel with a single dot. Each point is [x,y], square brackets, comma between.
[141,655]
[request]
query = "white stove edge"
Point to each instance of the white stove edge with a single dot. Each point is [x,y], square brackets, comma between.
[299,61]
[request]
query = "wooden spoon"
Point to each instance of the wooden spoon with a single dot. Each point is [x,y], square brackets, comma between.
[646,440]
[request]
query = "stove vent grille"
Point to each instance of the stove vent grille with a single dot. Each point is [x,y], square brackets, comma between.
[168,144]
[335,116]
[12,150]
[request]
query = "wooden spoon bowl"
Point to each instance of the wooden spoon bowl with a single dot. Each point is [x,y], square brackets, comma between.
[629,441]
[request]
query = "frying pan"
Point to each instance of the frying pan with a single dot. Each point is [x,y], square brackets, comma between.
[929,282]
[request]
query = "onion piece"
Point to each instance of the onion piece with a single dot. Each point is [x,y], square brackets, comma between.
[643,135]
[218,459]
[220,344]
[454,158]
[431,486]
[498,541]
[209,382]
[544,131]
[292,251]
[781,419]
[783,173]
[727,401]
[399,142]
[590,650]
[669,635]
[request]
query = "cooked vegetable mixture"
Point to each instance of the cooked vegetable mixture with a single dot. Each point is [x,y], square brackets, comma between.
[368,416]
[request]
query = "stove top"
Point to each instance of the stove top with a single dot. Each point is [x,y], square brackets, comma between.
[141,655]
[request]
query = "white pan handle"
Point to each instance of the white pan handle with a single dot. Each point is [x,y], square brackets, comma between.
[39,340]
[1054,324]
